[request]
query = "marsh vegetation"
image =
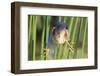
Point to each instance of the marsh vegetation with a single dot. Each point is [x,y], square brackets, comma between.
[39,28]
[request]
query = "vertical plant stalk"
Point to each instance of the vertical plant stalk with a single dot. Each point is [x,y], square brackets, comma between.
[47,30]
[84,38]
[70,27]
[42,40]
[65,19]
[81,30]
[30,28]
[74,34]
[73,37]
[75,55]
[60,51]
[65,50]
[34,35]
[55,53]
[69,30]
[30,51]
[47,25]
[59,18]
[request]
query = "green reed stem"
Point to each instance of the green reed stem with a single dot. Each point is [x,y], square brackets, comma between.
[84,38]
[30,27]
[42,39]
[34,35]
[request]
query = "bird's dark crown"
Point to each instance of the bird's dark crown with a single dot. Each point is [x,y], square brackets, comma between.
[60,25]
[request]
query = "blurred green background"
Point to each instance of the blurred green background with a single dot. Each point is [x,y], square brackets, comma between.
[38,31]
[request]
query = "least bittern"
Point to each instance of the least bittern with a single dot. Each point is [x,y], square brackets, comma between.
[59,35]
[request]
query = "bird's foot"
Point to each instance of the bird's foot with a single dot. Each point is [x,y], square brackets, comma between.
[45,53]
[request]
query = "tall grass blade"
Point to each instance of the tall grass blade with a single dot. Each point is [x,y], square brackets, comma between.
[70,26]
[77,39]
[30,28]
[60,50]
[84,38]
[30,53]
[70,30]
[34,35]
[42,39]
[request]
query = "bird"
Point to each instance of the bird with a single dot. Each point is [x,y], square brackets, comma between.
[57,36]
[60,32]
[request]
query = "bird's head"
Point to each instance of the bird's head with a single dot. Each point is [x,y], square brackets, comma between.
[60,32]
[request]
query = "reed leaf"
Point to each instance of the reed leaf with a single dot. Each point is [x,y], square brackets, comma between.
[83,45]
[30,53]
[34,35]
[77,29]
[42,39]
[70,34]
[59,18]
[70,26]
[77,39]
[60,50]
[47,25]
[65,51]
[30,28]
